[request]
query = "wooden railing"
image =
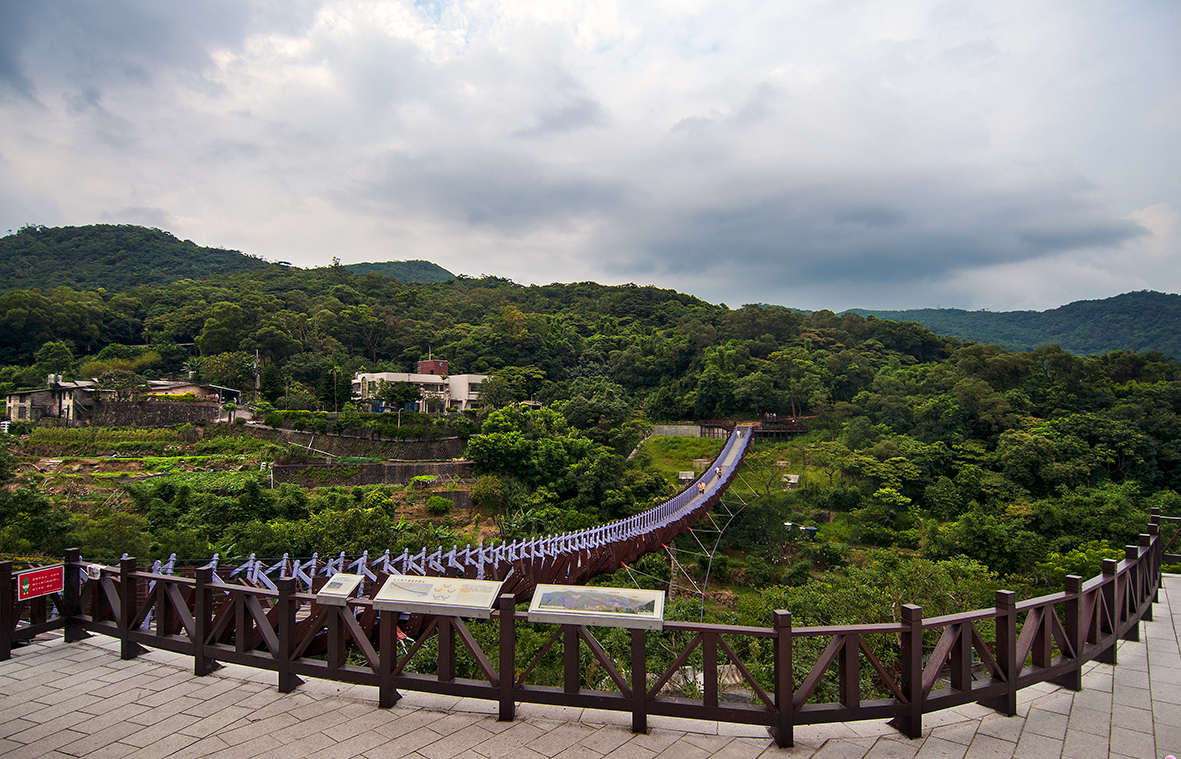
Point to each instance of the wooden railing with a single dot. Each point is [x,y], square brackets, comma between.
[983,656]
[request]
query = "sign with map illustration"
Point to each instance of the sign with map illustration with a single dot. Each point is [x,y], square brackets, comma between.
[448,596]
[604,607]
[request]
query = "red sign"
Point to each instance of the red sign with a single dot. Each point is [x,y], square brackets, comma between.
[40,582]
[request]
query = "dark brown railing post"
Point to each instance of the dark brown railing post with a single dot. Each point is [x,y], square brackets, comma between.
[1131,597]
[446,636]
[910,714]
[202,618]
[288,606]
[128,597]
[7,610]
[1158,554]
[1146,572]
[1073,611]
[508,657]
[387,694]
[639,682]
[571,672]
[1109,624]
[1006,652]
[784,682]
[71,600]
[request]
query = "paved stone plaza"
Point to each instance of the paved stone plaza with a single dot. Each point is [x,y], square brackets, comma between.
[81,700]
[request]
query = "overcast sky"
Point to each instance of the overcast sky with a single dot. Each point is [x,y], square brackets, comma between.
[905,153]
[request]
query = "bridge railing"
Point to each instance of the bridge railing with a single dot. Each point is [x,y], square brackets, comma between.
[788,676]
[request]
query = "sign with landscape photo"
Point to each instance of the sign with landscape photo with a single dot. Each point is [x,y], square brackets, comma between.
[603,607]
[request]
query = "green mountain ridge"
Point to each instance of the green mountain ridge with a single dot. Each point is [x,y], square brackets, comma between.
[405,271]
[115,257]
[119,258]
[1140,321]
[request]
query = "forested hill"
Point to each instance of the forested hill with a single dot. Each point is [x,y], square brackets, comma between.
[406,271]
[1139,321]
[115,257]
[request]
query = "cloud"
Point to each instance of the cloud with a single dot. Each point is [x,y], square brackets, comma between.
[816,154]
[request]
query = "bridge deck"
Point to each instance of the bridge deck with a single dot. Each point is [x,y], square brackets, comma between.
[80,699]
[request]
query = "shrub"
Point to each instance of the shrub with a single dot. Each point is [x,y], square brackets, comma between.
[438,505]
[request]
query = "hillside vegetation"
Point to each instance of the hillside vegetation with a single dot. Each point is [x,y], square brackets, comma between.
[1140,321]
[945,464]
[114,257]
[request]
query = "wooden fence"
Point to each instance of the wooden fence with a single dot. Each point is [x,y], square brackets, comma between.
[984,656]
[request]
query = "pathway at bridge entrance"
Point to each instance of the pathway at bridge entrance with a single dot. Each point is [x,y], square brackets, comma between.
[81,700]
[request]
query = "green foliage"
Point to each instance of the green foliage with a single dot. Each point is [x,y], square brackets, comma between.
[124,385]
[1086,561]
[438,505]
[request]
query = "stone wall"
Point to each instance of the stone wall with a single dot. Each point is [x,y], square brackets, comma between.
[320,474]
[151,413]
[676,430]
[343,445]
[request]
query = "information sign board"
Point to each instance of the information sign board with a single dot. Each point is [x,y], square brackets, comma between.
[337,590]
[448,596]
[40,582]
[603,607]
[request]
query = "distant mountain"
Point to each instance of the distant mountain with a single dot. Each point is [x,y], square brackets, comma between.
[112,256]
[405,271]
[1140,321]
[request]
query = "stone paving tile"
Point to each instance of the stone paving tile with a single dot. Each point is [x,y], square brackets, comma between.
[845,748]
[607,739]
[890,748]
[508,742]
[410,743]
[1090,721]
[88,744]
[559,737]
[1034,746]
[937,748]
[631,751]
[1049,724]
[1132,743]
[44,745]
[1000,726]
[988,747]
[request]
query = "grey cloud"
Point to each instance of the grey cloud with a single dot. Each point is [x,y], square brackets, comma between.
[146,215]
[128,41]
[508,192]
[830,233]
[582,113]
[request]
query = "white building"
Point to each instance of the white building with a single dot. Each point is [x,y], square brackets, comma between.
[456,391]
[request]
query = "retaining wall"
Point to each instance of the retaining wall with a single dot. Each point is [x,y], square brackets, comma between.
[151,413]
[318,474]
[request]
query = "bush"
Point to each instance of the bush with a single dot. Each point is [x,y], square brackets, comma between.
[438,505]
[274,419]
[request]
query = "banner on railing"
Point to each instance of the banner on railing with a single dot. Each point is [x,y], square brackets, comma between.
[40,582]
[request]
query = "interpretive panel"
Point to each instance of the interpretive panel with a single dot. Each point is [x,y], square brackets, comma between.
[604,607]
[448,596]
[337,590]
